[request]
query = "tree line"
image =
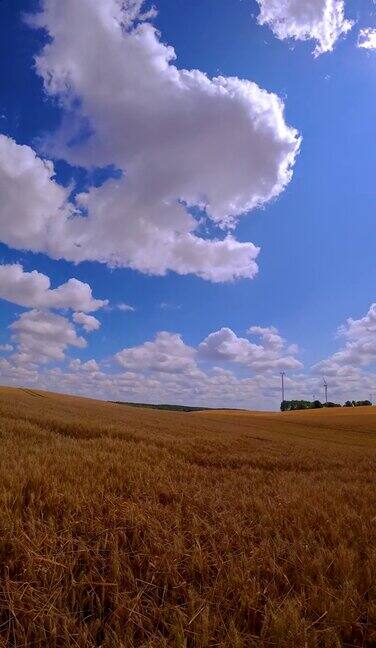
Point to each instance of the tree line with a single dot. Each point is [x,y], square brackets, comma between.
[287,406]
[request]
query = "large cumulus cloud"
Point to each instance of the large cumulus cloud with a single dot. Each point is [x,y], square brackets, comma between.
[193,153]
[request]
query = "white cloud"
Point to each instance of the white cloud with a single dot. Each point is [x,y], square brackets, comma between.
[16,374]
[168,370]
[180,138]
[367,38]
[192,374]
[33,289]
[33,206]
[127,308]
[219,387]
[42,337]
[90,366]
[6,347]
[88,322]
[270,337]
[225,346]
[359,349]
[323,21]
[167,354]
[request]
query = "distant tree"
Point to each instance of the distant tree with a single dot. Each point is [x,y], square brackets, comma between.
[287,406]
[301,404]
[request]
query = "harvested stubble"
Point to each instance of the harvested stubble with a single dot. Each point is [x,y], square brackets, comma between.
[126,527]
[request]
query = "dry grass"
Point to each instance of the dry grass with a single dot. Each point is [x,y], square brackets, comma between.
[126,527]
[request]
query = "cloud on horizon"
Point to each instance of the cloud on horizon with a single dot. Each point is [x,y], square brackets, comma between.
[223,370]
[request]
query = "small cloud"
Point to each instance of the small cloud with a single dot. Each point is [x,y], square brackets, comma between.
[323,22]
[167,306]
[89,366]
[88,322]
[367,39]
[126,308]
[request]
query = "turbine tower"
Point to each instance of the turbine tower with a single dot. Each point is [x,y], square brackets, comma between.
[283,374]
[326,390]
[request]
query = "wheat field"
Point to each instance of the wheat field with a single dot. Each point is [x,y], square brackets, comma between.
[125,527]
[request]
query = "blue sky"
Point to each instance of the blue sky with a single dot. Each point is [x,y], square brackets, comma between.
[316,265]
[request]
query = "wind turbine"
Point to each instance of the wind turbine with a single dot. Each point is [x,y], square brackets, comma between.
[283,374]
[326,390]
